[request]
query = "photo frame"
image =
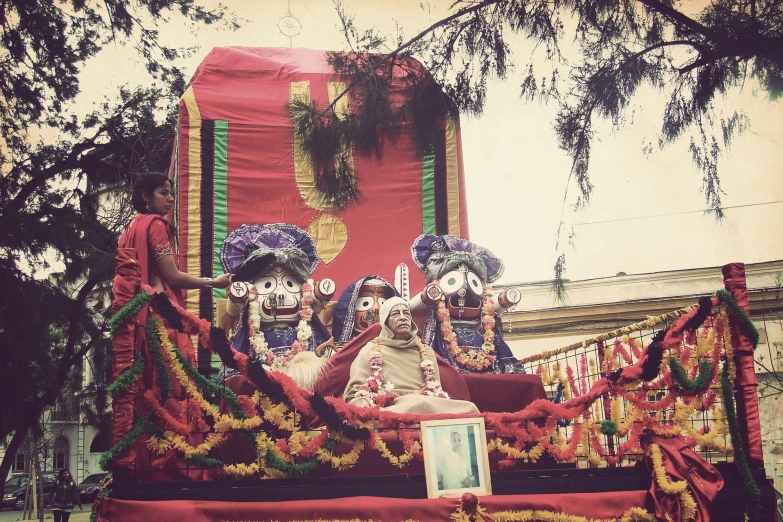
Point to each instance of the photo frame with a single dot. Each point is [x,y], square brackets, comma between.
[456,460]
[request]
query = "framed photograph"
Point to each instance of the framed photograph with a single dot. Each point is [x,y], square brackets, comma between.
[455,457]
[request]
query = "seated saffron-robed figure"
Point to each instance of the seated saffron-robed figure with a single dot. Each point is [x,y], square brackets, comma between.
[398,372]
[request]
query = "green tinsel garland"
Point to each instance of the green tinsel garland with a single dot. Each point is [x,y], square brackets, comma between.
[127,378]
[303,468]
[738,313]
[164,379]
[94,513]
[205,462]
[608,427]
[216,390]
[141,425]
[127,312]
[736,439]
[697,385]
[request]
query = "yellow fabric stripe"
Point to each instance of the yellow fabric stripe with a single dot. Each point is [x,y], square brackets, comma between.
[452,175]
[303,167]
[194,196]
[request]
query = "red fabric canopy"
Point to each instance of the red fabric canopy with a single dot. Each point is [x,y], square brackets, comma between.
[237,162]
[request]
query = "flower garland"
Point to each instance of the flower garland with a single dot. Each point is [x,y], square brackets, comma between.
[410,453]
[304,331]
[127,378]
[736,438]
[379,392]
[470,509]
[688,505]
[691,386]
[476,360]
[128,311]
[164,379]
[186,374]
[141,425]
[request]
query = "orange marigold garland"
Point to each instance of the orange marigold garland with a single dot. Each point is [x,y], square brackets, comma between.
[475,360]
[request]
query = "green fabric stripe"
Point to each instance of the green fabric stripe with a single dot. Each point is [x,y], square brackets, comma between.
[428,193]
[220,225]
[220,213]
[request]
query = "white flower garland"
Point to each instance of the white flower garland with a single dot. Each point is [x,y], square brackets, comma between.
[304,331]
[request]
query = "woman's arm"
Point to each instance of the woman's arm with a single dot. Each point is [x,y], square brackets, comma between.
[176,279]
[77,499]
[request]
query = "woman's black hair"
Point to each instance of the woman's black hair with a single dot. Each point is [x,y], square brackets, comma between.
[146,183]
[62,472]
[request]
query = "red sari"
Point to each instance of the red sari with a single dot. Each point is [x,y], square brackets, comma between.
[146,239]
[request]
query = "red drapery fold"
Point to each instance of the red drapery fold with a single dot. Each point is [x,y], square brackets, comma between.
[591,505]
[681,463]
[745,385]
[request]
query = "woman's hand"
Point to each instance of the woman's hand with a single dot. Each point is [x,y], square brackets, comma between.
[222,281]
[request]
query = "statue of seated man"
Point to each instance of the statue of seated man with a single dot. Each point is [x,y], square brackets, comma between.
[398,372]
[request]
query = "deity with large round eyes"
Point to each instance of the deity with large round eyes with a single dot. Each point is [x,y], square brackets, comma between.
[463,323]
[275,300]
[359,306]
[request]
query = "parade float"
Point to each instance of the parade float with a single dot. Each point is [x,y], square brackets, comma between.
[654,421]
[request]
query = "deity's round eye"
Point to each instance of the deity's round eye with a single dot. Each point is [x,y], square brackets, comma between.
[291,284]
[452,281]
[381,300]
[265,285]
[364,303]
[475,283]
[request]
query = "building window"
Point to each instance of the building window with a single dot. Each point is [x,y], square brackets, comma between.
[19,462]
[61,452]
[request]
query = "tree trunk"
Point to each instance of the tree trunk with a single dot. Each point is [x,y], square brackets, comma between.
[40,498]
[13,447]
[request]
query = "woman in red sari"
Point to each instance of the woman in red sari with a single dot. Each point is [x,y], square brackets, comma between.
[146,254]
[150,232]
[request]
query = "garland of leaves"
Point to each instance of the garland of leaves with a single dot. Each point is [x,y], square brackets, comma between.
[303,468]
[102,494]
[217,391]
[752,489]
[339,422]
[126,379]
[692,386]
[127,312]
[141,425]
[164,379]
[738,313]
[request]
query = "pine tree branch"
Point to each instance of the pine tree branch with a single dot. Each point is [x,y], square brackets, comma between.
[425,32]
[679,18]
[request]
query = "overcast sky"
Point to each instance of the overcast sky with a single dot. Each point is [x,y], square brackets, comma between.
[643,216]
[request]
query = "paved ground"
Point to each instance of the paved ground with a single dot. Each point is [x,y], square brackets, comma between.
[9,515]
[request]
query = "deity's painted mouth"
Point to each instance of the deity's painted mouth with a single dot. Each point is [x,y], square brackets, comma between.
[281,310]
[470,310]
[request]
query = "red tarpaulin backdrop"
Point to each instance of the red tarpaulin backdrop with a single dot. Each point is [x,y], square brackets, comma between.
[237,161]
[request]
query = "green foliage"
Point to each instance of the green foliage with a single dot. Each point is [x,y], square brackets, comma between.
[621,47]
[387,93]
[325,140]
[63,197]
